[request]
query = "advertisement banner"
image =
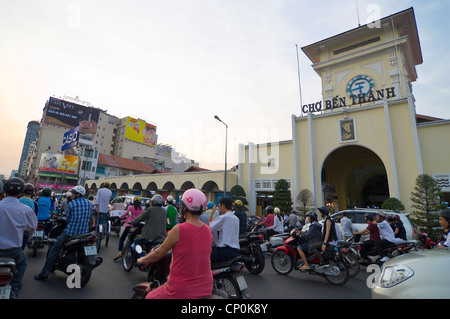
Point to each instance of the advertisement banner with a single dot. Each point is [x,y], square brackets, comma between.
[55,186]
[58,163]
[140,131]
[70,138]
[69,114]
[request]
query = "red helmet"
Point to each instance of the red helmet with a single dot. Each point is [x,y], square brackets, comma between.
[194,200]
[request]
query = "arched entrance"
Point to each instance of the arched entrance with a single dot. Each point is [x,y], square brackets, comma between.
[354,176]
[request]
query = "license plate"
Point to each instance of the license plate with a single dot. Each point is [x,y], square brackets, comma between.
[263,247]
[241,282]
[5,292]
[38,233]
[90,250]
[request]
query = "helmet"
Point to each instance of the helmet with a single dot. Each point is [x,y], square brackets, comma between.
[136,199]
[238,202]
[69,194]
[381,214]
[47,191]
[313,215]
[14,186]
[157,200]
[445,214]
[170,199]
[369,216]
[276,210]
[194,200]
[324,210]
[78,189]
[29,189]
[269,209]
[210,205]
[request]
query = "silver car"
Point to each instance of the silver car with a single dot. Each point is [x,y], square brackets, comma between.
[416,275]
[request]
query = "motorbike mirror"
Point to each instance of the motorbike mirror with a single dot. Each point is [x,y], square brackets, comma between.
[138,249]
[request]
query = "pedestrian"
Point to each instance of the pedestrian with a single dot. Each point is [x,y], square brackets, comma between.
[171,213]
[77,216]
[15,219]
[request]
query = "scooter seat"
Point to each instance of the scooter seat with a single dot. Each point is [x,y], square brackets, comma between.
[221,264]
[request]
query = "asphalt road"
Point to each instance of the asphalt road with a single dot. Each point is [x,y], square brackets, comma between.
[110,281]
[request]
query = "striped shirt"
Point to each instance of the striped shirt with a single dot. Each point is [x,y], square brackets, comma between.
[15,217]
[77,216]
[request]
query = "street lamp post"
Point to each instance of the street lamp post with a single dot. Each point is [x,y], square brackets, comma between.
[226,142]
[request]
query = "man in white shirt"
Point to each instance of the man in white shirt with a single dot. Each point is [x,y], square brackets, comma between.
[386,233]
[225,230]
[102,203]
[346,227]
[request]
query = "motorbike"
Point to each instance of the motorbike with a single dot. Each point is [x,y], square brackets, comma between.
[333,268]
[79,249]
[36,240]
[132,251]
[251,252]
[227,282]
[427,243]
[390,251]
[7,272]
[116,222]
[350,255]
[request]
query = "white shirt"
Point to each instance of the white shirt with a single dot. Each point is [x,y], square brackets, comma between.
[386,231]
[346,225]
[277,225]
[225,230]
[102,200]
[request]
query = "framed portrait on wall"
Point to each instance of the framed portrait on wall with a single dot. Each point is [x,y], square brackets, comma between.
[347,130]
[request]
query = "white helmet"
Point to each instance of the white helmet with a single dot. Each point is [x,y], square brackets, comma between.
[79,189]
[170,199]
[68,194]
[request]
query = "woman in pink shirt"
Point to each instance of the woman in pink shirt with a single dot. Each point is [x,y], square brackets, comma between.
[190,274]
[132,212]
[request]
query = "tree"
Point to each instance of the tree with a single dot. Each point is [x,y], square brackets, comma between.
[282,196]
[426,200]
[304,200]
[238,192]
[393,204]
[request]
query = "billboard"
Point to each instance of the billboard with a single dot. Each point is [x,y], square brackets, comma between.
[140,131]
[58,163]
[69,114]
[70,138]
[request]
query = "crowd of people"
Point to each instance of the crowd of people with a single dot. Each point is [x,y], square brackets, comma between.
[213,230]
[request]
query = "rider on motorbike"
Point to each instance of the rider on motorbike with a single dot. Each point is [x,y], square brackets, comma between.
[78,212]
[313,235]
[328,231]
[154,217]
[190,272]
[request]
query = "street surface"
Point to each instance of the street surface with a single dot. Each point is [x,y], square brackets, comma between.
[110,281]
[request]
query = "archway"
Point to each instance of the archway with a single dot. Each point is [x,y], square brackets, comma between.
[354,176]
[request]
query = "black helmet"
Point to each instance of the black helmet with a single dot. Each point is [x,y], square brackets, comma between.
[29,189]
[445,213]
[324,210]
[313,216]
[46,192]
[369,216]
[157,200]
[14,186]
[269,209]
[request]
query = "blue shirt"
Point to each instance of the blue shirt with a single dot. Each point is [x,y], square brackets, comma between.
[30,203]
[77,216]
[14,219]
[45,207]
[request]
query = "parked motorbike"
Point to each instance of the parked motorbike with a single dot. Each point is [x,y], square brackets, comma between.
[36,240]
[390,251]
[228,283]
[251,252]
[333,268]
[79,249]
[7,272]
[350,255]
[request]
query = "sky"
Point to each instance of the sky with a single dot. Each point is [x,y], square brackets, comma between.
[178,63]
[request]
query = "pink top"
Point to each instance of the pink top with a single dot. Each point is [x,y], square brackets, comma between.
[190,274]
[131,214]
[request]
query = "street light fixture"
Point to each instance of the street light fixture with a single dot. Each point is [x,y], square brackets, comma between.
[226,142]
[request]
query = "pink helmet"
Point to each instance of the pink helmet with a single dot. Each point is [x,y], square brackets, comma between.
[194,200]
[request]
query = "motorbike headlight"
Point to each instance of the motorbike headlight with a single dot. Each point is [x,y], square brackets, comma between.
[394,275]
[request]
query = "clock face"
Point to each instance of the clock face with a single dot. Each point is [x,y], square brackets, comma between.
[361,84]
